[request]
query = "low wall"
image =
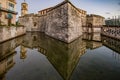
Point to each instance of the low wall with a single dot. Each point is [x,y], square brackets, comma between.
[7,33]
[112,31]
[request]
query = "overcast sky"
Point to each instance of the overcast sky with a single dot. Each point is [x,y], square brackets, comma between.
[104,8]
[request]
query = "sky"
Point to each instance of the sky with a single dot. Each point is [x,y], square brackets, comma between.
[105,8]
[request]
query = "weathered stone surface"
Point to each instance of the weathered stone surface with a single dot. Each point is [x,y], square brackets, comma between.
[7,33]
[57,23]
[74,23]
[63,21]
[33,22]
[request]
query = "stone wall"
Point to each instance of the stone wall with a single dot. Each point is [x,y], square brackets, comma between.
[7,33]
[64,22]
[57,23]
[111,31]
[74,23]
[33,22]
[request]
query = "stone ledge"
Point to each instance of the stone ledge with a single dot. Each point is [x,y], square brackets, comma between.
[12,38]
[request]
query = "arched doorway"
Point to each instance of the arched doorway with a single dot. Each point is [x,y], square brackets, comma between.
[90,27]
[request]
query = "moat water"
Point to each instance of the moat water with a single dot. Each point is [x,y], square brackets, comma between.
[35,56]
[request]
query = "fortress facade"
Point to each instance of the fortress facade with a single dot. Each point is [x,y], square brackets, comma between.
[63,22]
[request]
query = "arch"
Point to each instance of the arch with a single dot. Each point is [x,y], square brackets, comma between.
[35,24]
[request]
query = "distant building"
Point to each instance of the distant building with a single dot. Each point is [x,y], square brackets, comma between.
[93,23]
[44,11]
[95,20]
[7,12]
[24,8]
[113,21]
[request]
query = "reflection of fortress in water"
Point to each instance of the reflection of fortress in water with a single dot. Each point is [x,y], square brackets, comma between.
[64,57]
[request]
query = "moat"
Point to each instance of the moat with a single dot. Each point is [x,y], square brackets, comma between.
[36,56]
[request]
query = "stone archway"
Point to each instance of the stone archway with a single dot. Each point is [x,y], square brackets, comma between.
[89,27]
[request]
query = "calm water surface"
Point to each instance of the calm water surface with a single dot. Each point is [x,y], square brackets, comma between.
[35,56]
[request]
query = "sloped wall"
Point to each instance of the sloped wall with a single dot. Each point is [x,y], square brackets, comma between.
[64,23]
[74,23]
[57,23]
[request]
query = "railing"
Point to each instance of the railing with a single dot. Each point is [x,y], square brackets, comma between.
[111,31]
[7,10]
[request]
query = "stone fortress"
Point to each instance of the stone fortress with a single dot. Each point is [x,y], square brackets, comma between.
[63,21]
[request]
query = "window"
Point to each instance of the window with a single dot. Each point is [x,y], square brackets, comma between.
[11,6]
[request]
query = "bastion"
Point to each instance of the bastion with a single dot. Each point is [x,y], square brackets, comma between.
[63,21]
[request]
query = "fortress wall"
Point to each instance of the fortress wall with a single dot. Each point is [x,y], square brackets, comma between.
[33,22]
[57,23]
[74,23]
[64,22]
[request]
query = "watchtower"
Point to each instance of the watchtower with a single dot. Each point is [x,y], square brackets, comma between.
[24,8]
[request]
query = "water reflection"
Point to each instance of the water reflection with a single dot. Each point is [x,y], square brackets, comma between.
[7,52]
[48,59]
[64,57]
[93,40]
[111,43]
